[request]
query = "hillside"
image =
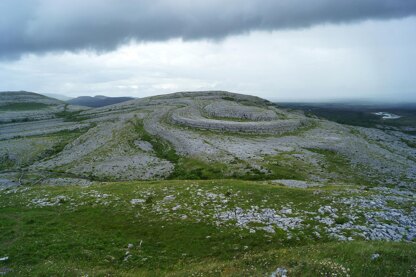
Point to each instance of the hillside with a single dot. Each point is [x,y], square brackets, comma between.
[206,183]
[23,106]
[207,135]
[97,101]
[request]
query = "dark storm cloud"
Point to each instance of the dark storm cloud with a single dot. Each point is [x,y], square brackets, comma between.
[36,26]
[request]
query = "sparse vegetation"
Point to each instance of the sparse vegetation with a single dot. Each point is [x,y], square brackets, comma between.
[72,116]
[342,170]
[161,147]
[6,162]
[409,143]
[285,166]
[89,230]
[63,138]
[196,169]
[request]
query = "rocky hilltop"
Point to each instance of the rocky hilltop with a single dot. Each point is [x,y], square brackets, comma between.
[193,135]
[301,191]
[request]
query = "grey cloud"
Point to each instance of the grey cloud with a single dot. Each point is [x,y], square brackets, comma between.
[39,26]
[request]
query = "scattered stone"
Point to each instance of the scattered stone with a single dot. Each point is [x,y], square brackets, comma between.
[137,201]
[144,145]
[286,211]
[6,184]
[279,272]
[375,256]
[49,202]
[127,256]
[296,183]
[5,270]
[266,216]
[177,207]
[327,210]
[169,198]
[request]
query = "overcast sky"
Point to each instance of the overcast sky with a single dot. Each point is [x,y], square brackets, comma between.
[297,50]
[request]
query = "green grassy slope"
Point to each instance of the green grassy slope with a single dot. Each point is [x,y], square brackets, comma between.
[23,106]
[174,230]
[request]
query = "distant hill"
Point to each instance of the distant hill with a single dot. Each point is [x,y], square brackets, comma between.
[97,101]
[24,106]
[58,96]
[24,100]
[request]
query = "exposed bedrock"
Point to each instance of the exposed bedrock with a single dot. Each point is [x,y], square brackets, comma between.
[192,117]
[135,140]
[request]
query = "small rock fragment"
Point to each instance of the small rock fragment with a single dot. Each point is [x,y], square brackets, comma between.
[137,201]
[375,256]
[279,272]
[169,198]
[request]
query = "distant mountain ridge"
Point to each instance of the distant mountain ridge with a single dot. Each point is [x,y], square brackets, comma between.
[97,101]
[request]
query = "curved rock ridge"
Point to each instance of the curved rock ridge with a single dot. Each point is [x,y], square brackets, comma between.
[228,112]
[191,117]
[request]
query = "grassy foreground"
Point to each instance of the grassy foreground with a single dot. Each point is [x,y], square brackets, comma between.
[170,228]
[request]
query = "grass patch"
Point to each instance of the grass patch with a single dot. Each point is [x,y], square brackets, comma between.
[341,220]
[64,137]
[409,143]
[339,168]
[6,162]
[334,159]
[196,169]
[71,116]
[24,106]
[36,148]
[285,166]
[163,149]
[326,259]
